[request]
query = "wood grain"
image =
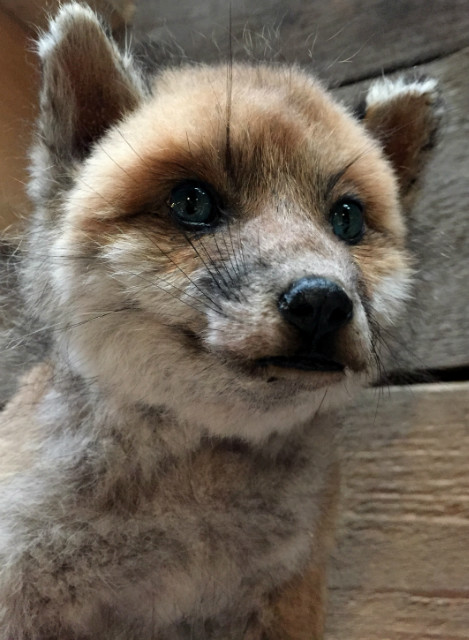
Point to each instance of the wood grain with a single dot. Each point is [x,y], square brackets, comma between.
[342,41]
[401,568]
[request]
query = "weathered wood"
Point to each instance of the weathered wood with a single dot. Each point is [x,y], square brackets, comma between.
[344,40]
[401,568]
[435,331]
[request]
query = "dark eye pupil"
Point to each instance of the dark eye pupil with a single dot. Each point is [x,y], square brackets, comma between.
[194,202]
[347,221]
[191,204]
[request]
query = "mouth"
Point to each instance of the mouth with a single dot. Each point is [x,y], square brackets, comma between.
[299,362]
[311,362]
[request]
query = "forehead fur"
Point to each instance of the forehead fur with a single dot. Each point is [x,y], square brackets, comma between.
[251,132]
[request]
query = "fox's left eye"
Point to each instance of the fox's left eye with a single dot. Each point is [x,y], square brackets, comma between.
[192,205]
[347,220]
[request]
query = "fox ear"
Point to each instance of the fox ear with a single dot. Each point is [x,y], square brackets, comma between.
[404,115]
[87,85]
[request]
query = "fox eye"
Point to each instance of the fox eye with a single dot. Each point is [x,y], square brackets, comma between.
[347,220]
[192,205]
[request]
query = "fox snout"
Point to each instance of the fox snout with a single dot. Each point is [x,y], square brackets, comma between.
[316,308]
[302,312]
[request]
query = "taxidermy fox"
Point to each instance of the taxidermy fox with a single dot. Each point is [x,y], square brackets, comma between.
[213,254]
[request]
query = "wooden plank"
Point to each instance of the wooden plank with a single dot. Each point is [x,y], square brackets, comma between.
[435,331]
[18,80]
[344,40]
[401,568]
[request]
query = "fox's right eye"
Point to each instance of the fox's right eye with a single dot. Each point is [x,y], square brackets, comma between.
[192,205]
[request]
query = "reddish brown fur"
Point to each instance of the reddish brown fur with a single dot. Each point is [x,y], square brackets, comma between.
[297,611]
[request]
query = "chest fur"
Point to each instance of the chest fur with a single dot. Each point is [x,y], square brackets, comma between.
[217,530]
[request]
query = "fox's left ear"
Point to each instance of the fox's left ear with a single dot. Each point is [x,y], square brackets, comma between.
[404,115]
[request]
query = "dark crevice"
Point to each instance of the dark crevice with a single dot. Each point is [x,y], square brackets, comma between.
[426,376]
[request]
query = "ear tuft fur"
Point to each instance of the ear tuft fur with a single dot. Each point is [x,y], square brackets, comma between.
[404,114]
[88,85]
[60,26]
[385,89]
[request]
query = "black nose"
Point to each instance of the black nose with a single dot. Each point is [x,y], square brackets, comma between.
[315,306]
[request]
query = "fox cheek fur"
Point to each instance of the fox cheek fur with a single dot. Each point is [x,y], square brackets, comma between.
[192,365]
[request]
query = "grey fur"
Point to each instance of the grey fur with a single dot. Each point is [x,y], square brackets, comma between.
[23,340]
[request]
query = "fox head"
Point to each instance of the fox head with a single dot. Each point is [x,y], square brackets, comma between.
[224,241]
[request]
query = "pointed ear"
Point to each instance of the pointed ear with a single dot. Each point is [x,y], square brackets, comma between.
[404,115]
[87,84]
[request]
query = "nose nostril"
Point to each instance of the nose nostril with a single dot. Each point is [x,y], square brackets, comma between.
[339,316]
[336,316]
[302,309]
[316,306]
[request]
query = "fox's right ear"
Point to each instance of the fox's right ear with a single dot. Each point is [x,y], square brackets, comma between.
[87,86]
